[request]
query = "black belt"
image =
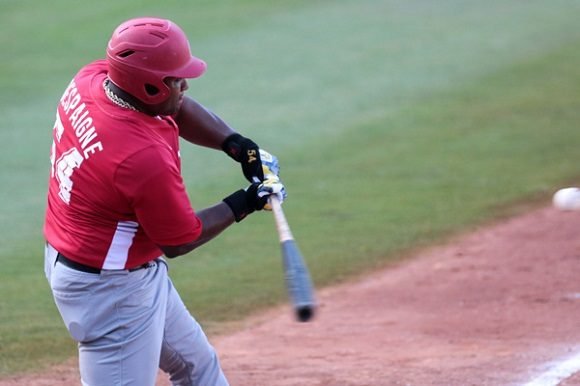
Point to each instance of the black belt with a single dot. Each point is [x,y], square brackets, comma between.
[85,268]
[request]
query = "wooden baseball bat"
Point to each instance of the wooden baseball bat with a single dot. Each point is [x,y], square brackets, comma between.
[298,282]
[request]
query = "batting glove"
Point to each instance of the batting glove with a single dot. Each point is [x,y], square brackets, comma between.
[272,186]
[270,164]
[246,152]
[254,197]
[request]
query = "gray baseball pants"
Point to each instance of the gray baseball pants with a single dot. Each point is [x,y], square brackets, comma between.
[129,324]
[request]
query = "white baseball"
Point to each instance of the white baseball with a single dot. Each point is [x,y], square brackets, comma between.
[567,199]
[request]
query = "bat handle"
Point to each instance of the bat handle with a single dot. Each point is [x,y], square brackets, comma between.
[284,232]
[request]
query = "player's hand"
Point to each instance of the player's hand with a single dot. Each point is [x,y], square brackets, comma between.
[246,152]
[270,164]
[254,197]
[272,186]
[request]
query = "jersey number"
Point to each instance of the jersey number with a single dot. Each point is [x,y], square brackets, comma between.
[64,167]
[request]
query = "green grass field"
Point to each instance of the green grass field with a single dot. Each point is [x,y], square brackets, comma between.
[397,124]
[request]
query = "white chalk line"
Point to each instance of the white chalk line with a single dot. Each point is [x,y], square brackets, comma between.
[557,372]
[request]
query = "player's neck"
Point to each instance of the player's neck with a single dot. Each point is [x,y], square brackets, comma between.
[120,97]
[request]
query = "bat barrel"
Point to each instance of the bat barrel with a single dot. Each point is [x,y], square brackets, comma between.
[298,281]
[304,313]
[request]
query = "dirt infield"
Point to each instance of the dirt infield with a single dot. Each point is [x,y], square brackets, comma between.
[495,307]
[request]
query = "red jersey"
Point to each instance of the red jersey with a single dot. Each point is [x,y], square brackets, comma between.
[115,190]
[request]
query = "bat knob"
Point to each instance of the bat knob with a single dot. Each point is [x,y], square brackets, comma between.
[304,313]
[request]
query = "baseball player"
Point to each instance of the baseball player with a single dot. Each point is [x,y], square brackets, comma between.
[117,203]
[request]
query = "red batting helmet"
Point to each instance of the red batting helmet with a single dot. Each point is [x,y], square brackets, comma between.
[144,51]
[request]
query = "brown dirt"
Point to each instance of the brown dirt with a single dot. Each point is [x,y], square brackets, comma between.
[491,308]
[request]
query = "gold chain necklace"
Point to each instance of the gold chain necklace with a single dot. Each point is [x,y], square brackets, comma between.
[115,98]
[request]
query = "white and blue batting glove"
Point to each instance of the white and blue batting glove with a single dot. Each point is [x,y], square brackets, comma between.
[270,164]
[272,186]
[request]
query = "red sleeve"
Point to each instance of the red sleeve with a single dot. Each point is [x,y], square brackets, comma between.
[151,182]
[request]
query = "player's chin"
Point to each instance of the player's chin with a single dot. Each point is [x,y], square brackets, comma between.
[171,109]
[175,107]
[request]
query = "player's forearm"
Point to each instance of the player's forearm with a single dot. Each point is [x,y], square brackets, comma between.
[215,220]
[200,126]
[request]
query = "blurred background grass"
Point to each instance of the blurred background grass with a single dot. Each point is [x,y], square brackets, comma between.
[397,124]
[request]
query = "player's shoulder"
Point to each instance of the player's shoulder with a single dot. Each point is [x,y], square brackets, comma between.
[145,164]
[140,133]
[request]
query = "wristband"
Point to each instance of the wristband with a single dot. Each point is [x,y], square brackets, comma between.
[238,203]
[232,146]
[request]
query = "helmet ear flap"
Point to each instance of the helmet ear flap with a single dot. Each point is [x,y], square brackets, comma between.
[151,89]
[155,91]
[139,83]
